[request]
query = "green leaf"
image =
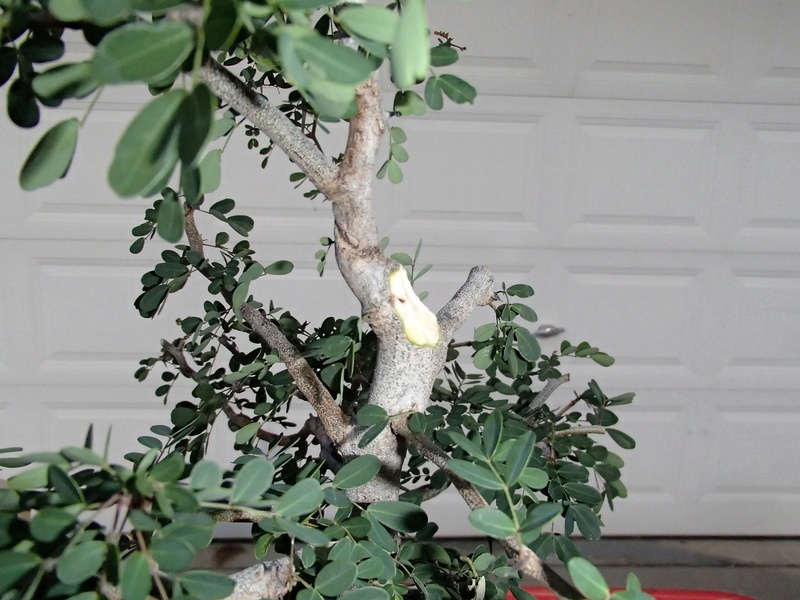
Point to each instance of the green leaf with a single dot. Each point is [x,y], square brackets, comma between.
[50,523]
[484,358]
[172,555]
[14,566]
[135,582]
[588,522]
[252,480]
[366,593]
[492,432]
[145,52]
[399,153]
[149,147]
[21,107]
[83,455]
[67,10]
[336,577]
[458,90]
[371,414]
[65,486]
[309,535]
[332,61]
[371,22]
[624,441]
[42,48]
[524,311]
[400,516]
[370,434]
[518,457]
[602,359]
[222,24]
[357,472]
[527,345]
[170,218]
[50,158]
[8,63]
[492,522]
[540,515]
[241,224]
[152,298]
[206,585]
[168,469]
[246,433]
[106,12]
[534,478]
[80,562]
[583,493]
[588,579]
[520,290]
[395,172]
[65,81]
[409,103]
[473,448]
[433,93]
[480,476]
[443,56]
[280,267]
[485,332]
[410,53]
[196,117]
[303,497]
[206,474]
[35,477]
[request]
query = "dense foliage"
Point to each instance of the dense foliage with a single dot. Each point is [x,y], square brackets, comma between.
[74,526]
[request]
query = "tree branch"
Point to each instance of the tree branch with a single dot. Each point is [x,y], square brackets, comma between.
[525,559]
[476,291]
[269,119]
[549,387]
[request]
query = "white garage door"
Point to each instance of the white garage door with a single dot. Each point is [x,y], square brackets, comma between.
[638,161]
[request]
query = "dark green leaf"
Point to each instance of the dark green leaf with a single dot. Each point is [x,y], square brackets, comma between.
[281,267]
[206,585]
[520,290]
[196,116]
[22,108]
[50,523]
[149,147]
[443,56]
[472,447]
[492,522]
[172,555]
[541,515]
[400,516]
[335,578]
[588,579]
[484,358]
[106,12]
[41,48]
[8,63]
[171,270]
[492,432]
[241,224]
[303,497]
[81,561]
[371,414]
[222,24]
[168,469]
[524,311]
[588,522]
[357,472]
[309,535]
[152,298]
[65,81]
[14,566]
[583,493]
[458,90]
[51,157]
[135,582]
[366,593]
[64,485]
[624,441]
[140,51]
[370,434]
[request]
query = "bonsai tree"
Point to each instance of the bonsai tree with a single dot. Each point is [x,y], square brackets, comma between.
[400,411]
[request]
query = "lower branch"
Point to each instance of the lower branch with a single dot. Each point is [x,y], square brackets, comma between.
[526,559]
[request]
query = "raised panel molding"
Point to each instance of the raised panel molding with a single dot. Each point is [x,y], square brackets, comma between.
[768,198]
[641,174]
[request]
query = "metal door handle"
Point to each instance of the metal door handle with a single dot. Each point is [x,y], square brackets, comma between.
[545,331]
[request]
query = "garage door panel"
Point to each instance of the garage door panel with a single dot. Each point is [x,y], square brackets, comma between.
[642,173]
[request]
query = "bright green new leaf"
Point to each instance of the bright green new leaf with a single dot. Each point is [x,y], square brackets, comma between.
[252,480]
[492,522]
[588,579]
[583,493]
[458,90]
[370,22]
[145,52]
[357,472]
[410,52]
[336,577]
[80,562]
[148,148]
[303,497]
[135,582]
[50,158]
[207,585]
[170,218]
[14,566]
[400,516]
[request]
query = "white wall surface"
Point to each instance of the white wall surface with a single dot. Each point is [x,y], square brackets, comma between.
[635,160]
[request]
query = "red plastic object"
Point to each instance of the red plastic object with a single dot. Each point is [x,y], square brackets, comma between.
[544,594]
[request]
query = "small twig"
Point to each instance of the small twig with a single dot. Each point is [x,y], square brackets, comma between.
[545,393]
[586,430]
[569,405]
[179,358]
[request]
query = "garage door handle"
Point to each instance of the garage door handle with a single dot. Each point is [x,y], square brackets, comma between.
[546,331]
